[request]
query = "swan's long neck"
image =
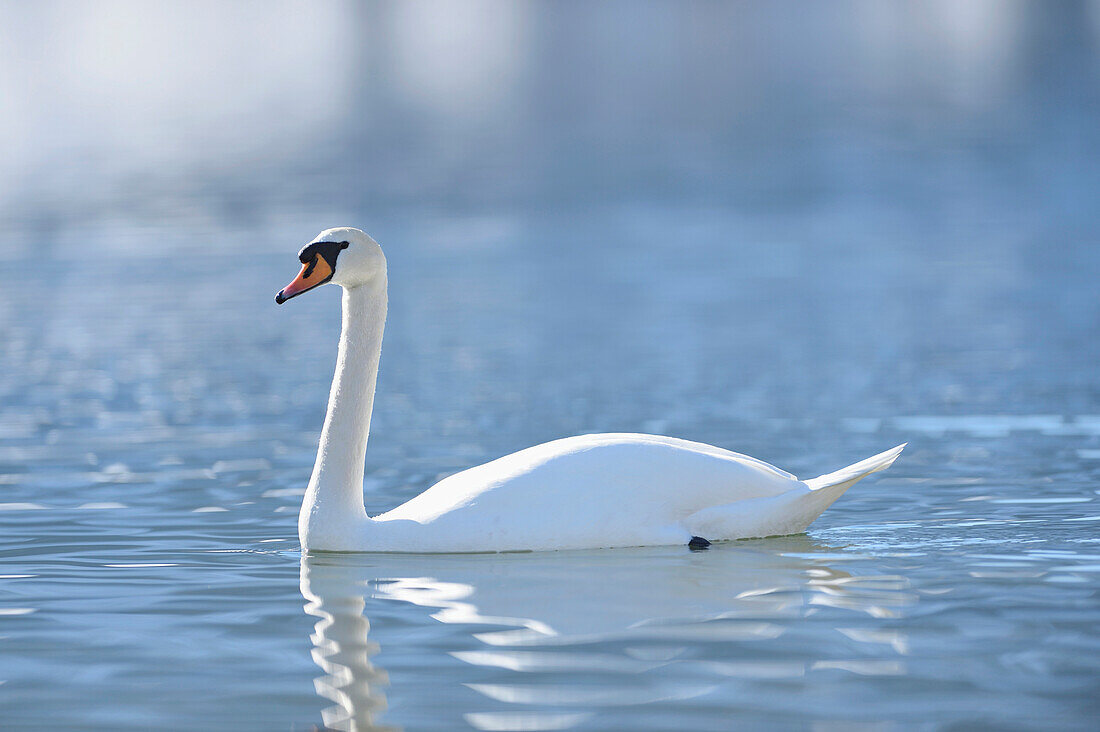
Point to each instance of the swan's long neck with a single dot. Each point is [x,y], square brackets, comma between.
[332,510]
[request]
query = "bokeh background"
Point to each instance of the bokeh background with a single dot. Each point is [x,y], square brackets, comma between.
[806,231]
[834,194]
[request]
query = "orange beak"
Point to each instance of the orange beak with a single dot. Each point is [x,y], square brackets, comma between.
[314,273]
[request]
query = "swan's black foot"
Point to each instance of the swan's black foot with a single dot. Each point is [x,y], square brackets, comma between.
[698,544]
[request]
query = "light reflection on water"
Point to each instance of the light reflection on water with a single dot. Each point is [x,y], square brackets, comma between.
[786,632]
[632,627]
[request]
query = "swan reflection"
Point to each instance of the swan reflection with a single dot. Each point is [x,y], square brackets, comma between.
[341,647]
[550,638]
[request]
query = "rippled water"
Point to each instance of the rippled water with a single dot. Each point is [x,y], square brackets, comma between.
[805,241]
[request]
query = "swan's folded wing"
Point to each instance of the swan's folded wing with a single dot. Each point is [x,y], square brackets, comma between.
[786,513]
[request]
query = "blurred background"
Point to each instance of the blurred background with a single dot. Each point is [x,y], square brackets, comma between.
[806,231]
[817,197]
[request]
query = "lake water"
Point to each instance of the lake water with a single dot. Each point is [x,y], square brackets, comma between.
[869,255]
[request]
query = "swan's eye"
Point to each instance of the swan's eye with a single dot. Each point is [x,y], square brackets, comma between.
[327,250]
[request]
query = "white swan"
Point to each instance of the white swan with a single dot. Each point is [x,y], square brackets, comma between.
[591,491]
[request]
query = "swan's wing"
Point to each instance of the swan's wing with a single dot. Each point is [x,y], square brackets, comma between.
[623,475]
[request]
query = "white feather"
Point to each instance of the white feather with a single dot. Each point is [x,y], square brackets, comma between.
[591,491]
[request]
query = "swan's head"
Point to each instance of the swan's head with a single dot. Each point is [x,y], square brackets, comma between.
[345,256]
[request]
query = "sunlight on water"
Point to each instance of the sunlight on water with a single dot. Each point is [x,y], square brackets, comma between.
[632,631]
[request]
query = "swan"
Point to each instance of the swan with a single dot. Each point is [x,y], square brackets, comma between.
[585,492]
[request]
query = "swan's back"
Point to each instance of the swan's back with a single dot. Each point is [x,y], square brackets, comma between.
[621,489]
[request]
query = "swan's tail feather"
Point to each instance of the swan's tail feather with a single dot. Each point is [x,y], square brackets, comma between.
[853,473]
[787,513]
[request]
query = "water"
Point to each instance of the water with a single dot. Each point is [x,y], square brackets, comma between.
[835,253]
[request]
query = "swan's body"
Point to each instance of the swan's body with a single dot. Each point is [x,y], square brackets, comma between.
[605,490]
